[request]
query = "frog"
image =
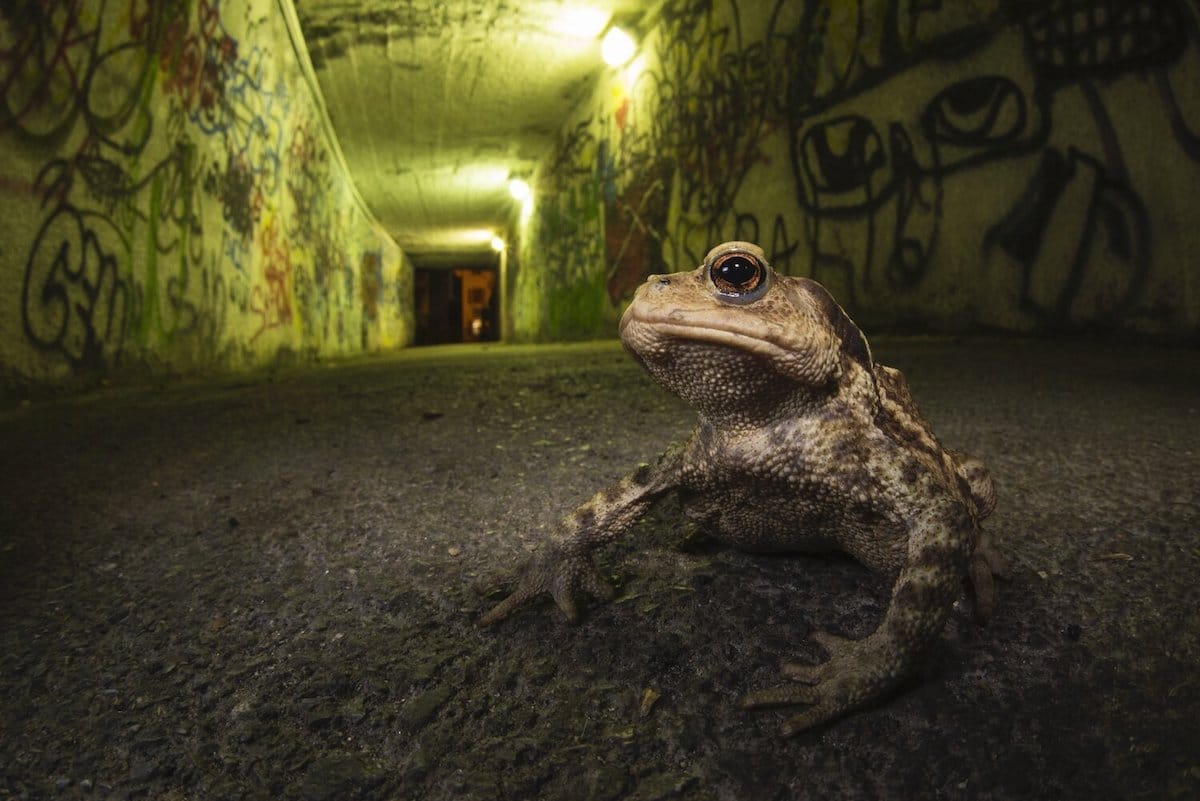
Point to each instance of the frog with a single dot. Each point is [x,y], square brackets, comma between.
[803,443]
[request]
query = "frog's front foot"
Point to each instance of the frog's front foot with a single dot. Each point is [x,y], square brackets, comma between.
[856,671]
[560,571]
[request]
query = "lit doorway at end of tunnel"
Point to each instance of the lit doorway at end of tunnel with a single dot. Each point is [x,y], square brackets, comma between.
[456,305]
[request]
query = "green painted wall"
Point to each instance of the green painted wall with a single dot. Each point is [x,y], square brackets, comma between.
[1011,166]
[171,200]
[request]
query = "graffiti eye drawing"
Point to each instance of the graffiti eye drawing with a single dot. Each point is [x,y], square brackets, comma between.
[985,111]
[841,160]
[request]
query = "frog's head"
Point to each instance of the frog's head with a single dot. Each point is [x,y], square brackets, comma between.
[735,335]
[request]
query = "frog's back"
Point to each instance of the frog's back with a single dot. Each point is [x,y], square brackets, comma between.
[901,420]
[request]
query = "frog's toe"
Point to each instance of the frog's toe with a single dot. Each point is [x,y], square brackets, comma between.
[813,716]
[854,672]
[983,588]
[823,705]
[780,696]
[842,655]
[506,606]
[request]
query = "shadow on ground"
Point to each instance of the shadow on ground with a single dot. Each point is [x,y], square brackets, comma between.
[267,590]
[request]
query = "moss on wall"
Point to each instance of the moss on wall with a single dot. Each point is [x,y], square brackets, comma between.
[984,165]
[560,275]
[172,198]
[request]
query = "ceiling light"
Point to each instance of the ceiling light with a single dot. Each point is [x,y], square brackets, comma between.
[580,23]
[617,47]
[519,190]
[497,244]
[477,236]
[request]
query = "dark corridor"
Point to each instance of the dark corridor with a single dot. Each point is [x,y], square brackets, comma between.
[459,305]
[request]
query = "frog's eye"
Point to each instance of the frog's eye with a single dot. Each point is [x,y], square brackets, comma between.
[738,276]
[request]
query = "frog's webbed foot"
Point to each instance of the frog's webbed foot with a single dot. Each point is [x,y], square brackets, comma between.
[854,672]
[563,567]
[940,544]
[559,571]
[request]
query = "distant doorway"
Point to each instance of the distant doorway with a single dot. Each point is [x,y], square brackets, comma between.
[455,306]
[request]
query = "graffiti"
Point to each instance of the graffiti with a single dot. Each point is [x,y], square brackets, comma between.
[73,299]
[1110,239]
[1072,41]
[714,95]
[779,243]
[271,300]
[574,184]
[316,221]
[880,179]
[61,62]
[79,295]
[691,142]
[195,62]
[235,187]
[127,127]
[657,181]
[899,152]
[696,147]
[308,177]
[221,88]
[883,179]
[633,233]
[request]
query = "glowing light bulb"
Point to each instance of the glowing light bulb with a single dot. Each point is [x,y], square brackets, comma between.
[617,47]
[519,190]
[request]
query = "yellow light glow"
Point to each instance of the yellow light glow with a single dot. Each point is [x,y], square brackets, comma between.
[630,74]
[519,190]
[478,236]
[579,23]
[497,244]
[617,47]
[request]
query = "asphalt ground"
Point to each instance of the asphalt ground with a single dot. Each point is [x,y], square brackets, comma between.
[266,588]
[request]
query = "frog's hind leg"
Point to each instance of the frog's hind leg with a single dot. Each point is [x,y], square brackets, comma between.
[986,562]
[986,565]
[981,488]
[940,544]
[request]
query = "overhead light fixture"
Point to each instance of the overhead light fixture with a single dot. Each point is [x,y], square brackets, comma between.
[497,244]
[476,236]
[580,23]
[617,47]
[520,190]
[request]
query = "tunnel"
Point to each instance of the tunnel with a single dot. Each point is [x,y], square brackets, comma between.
[809,388]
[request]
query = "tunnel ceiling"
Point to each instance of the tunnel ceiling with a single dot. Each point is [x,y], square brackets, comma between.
[437,103]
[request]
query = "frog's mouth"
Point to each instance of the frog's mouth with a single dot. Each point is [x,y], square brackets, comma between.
[652,336]
[680,325]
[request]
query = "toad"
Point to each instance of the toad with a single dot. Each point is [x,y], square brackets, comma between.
[804,443]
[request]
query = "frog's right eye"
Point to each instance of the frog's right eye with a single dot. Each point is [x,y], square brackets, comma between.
[739,276]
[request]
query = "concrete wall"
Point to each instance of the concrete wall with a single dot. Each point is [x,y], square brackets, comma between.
[171,199]
[975,165]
